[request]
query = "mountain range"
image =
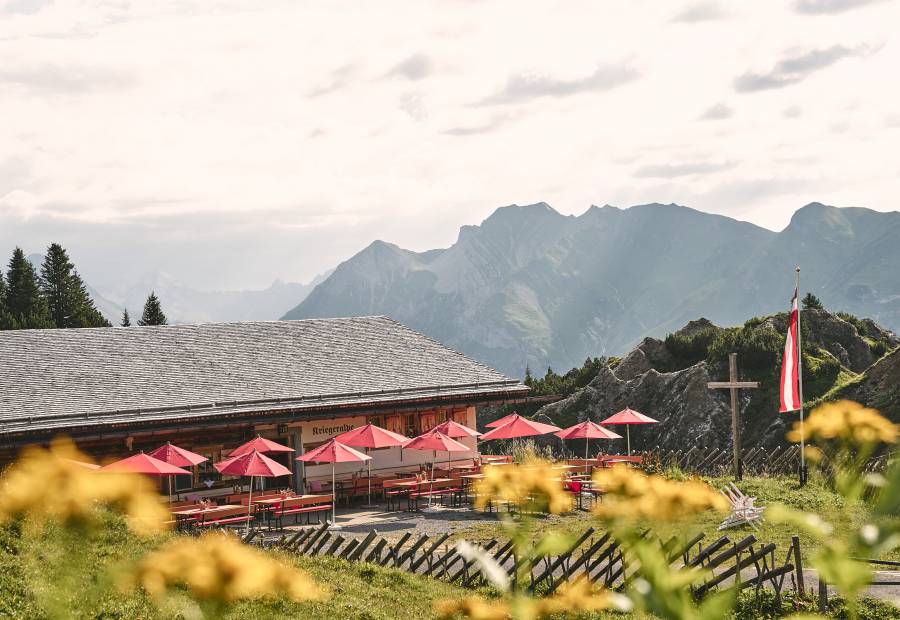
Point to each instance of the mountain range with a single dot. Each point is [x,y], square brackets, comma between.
[530,287]
[183,304]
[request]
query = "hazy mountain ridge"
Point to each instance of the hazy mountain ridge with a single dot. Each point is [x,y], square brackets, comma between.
[183,304]
[530,286]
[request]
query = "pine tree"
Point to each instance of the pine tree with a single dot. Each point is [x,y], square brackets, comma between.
[529,379]
[126,320]
[66,294]
[811,302]
[24,302]
[6,321]
[153,314]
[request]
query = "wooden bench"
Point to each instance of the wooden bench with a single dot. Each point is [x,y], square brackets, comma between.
[301,504]
[392,492]
[442,489]
[225,516]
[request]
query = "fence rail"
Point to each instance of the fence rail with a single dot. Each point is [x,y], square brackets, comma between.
[595,556]
[781,460]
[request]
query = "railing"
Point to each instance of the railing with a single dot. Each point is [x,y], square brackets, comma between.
[756,461]
[595,556]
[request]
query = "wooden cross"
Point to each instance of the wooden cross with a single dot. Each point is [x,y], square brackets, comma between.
[734,385]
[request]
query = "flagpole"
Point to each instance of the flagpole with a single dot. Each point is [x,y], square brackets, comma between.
[800,388]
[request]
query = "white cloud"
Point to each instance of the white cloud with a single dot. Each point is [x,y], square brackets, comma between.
[825,7]
[522,87]
[795,68]
[703,11]
[241,141]
[717,112]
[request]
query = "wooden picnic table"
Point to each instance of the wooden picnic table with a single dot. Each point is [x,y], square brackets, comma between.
[298,500]
[420,483]
[202,510]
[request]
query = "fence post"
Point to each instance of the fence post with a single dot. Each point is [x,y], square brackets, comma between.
[798,565]
[823,594]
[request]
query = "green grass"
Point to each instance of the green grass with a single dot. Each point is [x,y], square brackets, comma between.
[28,573]
[32,573]
[815,498]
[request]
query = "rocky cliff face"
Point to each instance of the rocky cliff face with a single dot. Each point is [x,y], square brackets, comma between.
[530,286]
[878,387]
[691,414]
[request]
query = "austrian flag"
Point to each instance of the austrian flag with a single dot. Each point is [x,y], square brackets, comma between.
[790,365]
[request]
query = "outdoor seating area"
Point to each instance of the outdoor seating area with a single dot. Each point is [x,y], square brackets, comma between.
[442,483]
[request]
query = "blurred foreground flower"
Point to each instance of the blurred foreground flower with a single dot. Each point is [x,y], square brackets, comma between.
[847,421]
[575,598]
[632,494]
[54,484]
[218,567]
[534,483]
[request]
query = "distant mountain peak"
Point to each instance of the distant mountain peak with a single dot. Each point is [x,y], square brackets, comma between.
[512,211]
[530,286]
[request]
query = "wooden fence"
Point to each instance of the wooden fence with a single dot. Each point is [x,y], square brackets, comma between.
[757,461]
[595,556]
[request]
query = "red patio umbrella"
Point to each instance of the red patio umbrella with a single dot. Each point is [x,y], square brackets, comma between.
[332,451]
[252,464]
[173,455]
[500,422]
[260,444]
[587,430]
[628,417]
[517,426]
[144,464]
[371,437]
[455,430]
[435,440]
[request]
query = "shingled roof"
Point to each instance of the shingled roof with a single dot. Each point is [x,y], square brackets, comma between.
[65,379]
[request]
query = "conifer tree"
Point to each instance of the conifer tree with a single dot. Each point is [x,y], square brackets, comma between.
[153,314]
[66,294]
[5,318]
[811,302]
[24,302]
[126,320]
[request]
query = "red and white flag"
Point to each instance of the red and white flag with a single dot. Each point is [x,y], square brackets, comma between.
[790,368]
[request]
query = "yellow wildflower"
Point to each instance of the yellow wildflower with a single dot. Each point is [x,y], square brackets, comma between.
[216,566]
[535,482]
[847,421]
[632,494]
[47,485]
[473,607]
[573,598]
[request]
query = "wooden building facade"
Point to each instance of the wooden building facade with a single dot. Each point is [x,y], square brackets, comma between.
[210,387]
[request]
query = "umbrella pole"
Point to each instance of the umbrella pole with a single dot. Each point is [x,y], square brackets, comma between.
[250,505]
[586,444]
[334,525]
[628,435]
[431,484]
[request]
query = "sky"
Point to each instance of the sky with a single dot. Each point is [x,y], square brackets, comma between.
[228,144]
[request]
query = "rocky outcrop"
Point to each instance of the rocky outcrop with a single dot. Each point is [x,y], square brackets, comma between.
[840,337]
[688,412]
[878,387]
